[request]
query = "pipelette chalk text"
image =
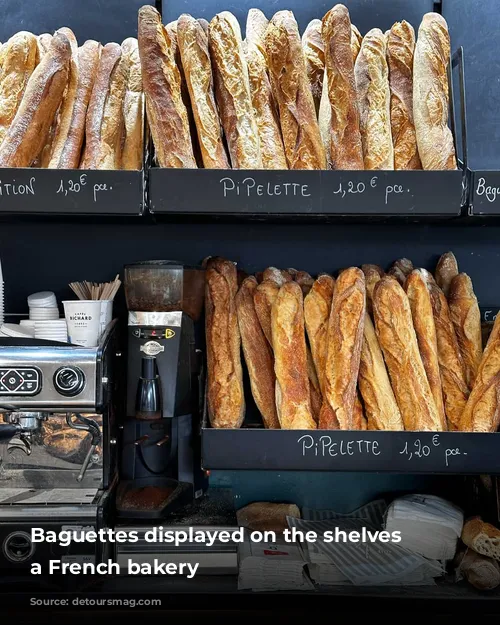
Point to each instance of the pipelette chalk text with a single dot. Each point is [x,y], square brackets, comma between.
[325,447]
[248,187]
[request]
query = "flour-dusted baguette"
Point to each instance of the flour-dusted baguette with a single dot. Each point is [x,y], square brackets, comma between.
[166,110]
[374,101]
[317,307]
[225,398]
[265,110]
[193,46]
[293,401]
[304,280]
[401,269]
[133,108]
[373,273]
[455,389]
[430,94]
[44,93]
[264,297]
[381,408]
[280,276]
[345,339]
[425,329]
[104,125]
[342,115]
[19,56]
[397,338]
[314,54]
[400,50]
[232,89]
[256,27]
[446,270]
[258,354]
[43,43]
[287,70]
[482,537]
[356,41]
[466,319]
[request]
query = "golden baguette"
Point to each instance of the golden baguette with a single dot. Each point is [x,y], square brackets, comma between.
[373,273]
[256,27]
[446,270]
[264,297]
[401,269]
[314,53]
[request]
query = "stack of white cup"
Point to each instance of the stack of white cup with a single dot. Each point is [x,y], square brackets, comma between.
[43,306]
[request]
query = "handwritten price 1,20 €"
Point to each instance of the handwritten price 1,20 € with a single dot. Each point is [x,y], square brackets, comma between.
[76,186]
[418,450]
[356,188]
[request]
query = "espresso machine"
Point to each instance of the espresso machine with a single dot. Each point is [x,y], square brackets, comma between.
[58,457]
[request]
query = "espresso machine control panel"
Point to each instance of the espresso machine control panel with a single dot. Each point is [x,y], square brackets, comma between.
[20,381]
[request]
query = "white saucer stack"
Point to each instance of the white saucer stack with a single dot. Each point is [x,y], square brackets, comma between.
[52,330]
[43,306]
[16,331]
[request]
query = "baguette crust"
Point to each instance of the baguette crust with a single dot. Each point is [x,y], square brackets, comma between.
[280,276]
[430,94]
[401,269]
[317,307]
[44,92]
[481,537]
[166,111]
[225,397]
[446,270]
[314,387]
[345,339]
[374,101]
[380,404]
[400,50]
[287,70]
[19,58]
[455,389]
[304,280]
[480,571]
[256,27]
[43,43]
[293,400]
[264,297]
[373,273]
[133,108]
[356,41]
[425,329]
[314,54]
[398,341]
[193,46]
[232,88]
[466,319]
[340,113]
[258,354]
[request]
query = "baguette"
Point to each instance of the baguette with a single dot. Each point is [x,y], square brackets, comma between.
[317,307]
[381,408]
[345,339]
[264,297]
[340,116]
[19,57]
[204,24]
[42,44]
[314,386]
[280,276]
[304,280]
[446,270]
[287,70]
[258,354]
[193,46]
[398,341]
[232,88]
[314,54]
[481,537]
[374,101]
[425,329]
[166,110]
[401,269]
[133,108]
[373,273]
[400,50]
[265,516]
[265,110]
[430,94]
[256,27]
[359,421]
[356,41]
[455,389]
[466,319]
[44,93]
[293,402]
[105,121]
[225,397]
[480,571]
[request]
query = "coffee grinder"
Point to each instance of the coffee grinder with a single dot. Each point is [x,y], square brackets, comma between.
[160,463]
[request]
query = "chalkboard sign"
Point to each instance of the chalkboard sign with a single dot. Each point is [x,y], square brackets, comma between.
[485,193]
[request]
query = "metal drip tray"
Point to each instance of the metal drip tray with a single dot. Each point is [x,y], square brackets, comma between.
[52,496]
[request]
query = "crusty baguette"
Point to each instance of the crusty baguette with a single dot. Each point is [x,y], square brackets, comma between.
[455,389]
[425,329]
[430,94]
[356,41]
[446,270]
[342,115]
[287,70]
[480,571]
[314,387]
[359,421]
[43,43]
[264,298]
[381,407]
[256,27]
[193,45]
[265,110]
[232,89]
[374,101]
[44,93]
[293,401]
[482,537]
[345,339]
[400,50]
[19,56]
[398,341]
[280,276]
[401,269]
[166,110]
[373,273]
[225,397]
[466,319]
[314,54]
[304,280]
[133,108]
[317,307]
[104,125]
[258,354]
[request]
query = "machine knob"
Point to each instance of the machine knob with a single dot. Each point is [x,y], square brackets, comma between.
[69,381]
